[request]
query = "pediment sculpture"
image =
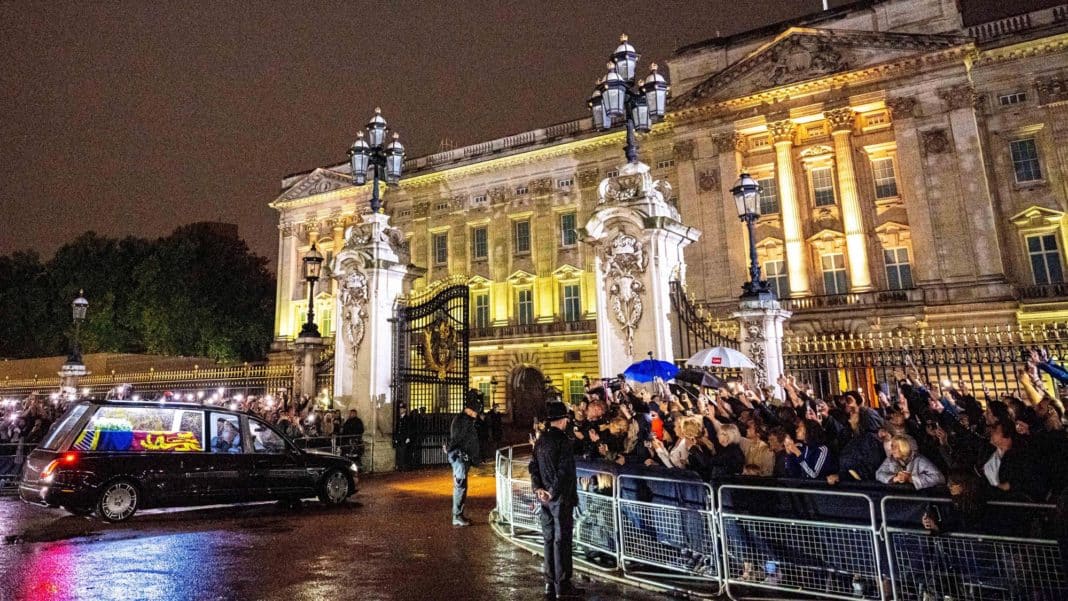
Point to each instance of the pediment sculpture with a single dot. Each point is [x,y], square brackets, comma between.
[625,260]
[353,295]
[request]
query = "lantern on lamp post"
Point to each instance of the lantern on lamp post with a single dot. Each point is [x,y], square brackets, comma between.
[747,199]
[313,266]
[385,161]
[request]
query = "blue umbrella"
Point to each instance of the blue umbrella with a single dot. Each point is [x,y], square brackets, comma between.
[649,369]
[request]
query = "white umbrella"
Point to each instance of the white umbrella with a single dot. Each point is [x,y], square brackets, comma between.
[720,356]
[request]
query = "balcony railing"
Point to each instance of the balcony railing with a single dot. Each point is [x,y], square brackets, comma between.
[583,326]
[1040,291]
[854,299]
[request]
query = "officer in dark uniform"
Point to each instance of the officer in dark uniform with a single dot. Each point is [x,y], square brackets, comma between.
[552,475]
[463,452]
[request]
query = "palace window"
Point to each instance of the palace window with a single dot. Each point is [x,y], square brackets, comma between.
[822,186]
[442,206]
[1045,254]
[441,249]
[565,183]
[521,236]
[522,190]
[885,181]
[487,392]
[482,310]
[1011,99]
[1025,160]
[572,302]
[479,244]
[665,164]
[769,196]
[778,280]
[568,233]
[898,268]
[612,173]
[479,200]
[524,307]
[835,280]
[576,390]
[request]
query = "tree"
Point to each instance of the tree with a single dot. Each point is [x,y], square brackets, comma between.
[199,291]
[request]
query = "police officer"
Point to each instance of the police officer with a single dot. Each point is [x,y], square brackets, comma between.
[552,475]
[462,450]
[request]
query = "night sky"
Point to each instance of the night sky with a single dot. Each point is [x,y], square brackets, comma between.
[135,117]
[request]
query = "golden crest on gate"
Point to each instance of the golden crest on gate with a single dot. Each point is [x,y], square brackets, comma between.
[440,345]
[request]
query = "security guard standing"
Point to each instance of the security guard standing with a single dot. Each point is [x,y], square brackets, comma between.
[462,452]
[552,475]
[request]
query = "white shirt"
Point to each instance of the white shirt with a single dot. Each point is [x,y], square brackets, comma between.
[992,467]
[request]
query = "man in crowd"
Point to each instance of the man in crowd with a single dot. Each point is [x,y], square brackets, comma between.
[352,434]
[552,476]
[462,452]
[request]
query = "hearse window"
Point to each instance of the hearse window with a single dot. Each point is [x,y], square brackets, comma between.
[225,433]
[141,429]
[60,428]
[264,439]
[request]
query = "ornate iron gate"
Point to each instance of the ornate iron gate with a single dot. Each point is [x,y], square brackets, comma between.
[430,373]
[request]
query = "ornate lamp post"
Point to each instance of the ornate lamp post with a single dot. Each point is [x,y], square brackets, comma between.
[747,198]
[385,160]
[313,265]
[619,98]
[78,309]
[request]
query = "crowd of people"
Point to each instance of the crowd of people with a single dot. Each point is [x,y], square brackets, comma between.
[914,435]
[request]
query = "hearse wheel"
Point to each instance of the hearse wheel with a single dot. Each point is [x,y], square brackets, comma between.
[118,501]
[334,489]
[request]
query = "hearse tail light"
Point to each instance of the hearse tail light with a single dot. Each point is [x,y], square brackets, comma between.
[49,471]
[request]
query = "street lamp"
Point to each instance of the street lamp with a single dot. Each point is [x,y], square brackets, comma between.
[313,266]
[385,160]
[747,198]
[620,98]
[78,309]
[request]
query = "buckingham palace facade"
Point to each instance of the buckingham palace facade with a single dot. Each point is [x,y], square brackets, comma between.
[913,174]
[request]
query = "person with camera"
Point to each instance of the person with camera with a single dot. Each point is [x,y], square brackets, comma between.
[552,476]
[462,452]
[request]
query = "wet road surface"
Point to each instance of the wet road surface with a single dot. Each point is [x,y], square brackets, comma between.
[392,541]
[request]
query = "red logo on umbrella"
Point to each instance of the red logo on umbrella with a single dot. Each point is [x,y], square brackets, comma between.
[717,360]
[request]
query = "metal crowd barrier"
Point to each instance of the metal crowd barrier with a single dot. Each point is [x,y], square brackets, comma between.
[677,535]
[835,560]
[12,456]
[965,565]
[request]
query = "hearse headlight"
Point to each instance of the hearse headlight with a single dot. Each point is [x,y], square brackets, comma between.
[355,468]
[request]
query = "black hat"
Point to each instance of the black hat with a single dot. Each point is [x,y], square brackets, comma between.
[556,410]
[473,403]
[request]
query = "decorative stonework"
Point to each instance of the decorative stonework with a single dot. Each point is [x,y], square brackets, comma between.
[841,119]
[1051,90]
[754,335]
[541,186]
[782,131]
[588,177]
[708,180]
[624,188]
[287,228]
[960,97]
[318,181]
[369,233]
[902,107]
[440,344]
[496,195]
[683,150]
[803,57]
[352,296]
[625,260]
[935,141]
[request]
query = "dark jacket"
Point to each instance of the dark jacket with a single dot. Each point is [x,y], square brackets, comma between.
[403,433]
[353,426]
[463,437]
[553,467]
[863,454]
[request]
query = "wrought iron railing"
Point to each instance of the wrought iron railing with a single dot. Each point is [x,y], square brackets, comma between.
[854,299]
[248,378]
[988,356]
[693,328]
[581,326]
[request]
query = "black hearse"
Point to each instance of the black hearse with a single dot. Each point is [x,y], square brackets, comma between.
[112,458]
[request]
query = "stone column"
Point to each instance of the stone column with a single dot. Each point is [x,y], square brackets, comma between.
[307,349]
[69,376]
[841,122]
[372,271]
[782,133]
[638,241]
[284,292]
[731,148]
[760,328]
[912,184]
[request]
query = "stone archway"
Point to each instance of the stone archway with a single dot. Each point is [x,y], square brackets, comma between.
[526,390]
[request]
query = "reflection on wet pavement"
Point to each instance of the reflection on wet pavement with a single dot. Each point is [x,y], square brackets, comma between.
[392,541]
